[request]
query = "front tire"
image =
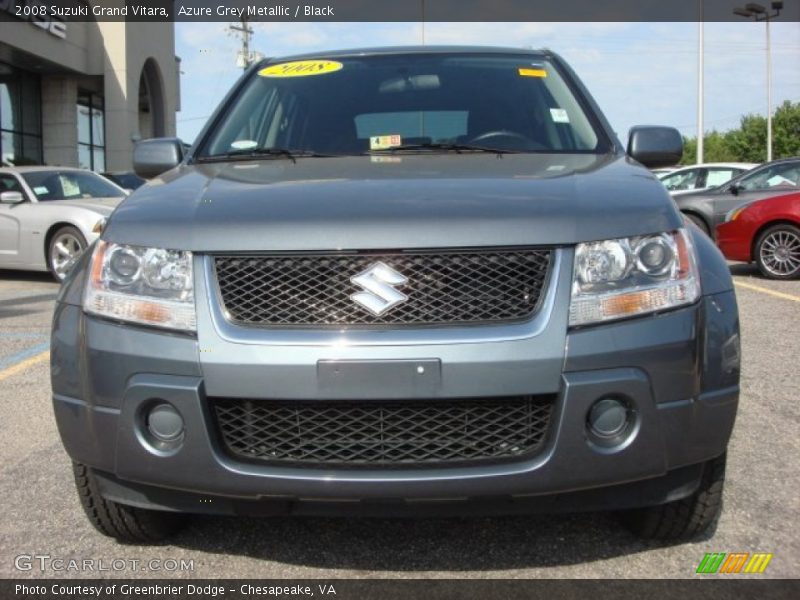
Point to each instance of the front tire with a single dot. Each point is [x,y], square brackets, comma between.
[125,523]
[777,252]
[63,251]
[683,518]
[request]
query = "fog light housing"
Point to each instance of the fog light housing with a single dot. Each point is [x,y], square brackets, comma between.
[608,417]
[164,423]
[610,422]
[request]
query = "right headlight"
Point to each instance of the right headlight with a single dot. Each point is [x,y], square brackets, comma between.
[625,277]
[149,286]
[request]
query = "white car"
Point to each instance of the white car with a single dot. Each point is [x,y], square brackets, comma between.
[702,177]
[50,215]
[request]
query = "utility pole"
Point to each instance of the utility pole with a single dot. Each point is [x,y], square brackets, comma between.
[245,58]
[758,12]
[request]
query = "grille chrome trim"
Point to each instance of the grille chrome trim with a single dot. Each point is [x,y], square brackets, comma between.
[212,312]
[446,288]
[354,434]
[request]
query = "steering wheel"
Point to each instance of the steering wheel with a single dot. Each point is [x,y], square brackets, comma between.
[505,133]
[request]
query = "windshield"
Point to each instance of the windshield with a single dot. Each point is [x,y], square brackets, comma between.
[70,185]
[371,104]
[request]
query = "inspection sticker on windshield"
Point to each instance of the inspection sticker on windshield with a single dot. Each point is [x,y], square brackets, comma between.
[244,144]
[382,142]
[532,72]
[559,115]
[301,68]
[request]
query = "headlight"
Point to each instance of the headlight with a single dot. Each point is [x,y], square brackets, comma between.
[151,286]
[621,278]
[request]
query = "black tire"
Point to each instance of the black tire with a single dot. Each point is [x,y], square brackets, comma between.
[683,518]
[772,269]
[125,523]
[77,245]
[701,224]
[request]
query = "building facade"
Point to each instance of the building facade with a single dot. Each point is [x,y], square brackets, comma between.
[81,94]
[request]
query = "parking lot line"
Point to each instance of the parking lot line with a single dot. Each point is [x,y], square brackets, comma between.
[763,290]
[19,367]
[10,361]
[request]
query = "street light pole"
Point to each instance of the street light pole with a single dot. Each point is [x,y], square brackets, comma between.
[700,90]
[757,12]
[769,94]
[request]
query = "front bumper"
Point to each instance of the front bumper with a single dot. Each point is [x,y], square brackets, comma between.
[679,371]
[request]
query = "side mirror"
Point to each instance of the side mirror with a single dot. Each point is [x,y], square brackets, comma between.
[655,146]
[734,189]
[153,157]
[12,198]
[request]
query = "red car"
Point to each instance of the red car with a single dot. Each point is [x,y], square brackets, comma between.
[766,232]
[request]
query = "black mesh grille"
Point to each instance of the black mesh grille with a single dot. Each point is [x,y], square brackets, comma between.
[442,287]
[375,433]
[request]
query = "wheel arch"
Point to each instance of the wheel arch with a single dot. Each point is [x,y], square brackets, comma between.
[699,215]
[51,231]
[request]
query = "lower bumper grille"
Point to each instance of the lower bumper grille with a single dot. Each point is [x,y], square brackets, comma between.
[383,433]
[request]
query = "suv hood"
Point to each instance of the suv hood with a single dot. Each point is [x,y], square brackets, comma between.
[394,202]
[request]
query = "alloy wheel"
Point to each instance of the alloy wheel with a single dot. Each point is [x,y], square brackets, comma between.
[780,253]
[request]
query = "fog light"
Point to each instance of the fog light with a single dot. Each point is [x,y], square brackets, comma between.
[165,423]
[608,418]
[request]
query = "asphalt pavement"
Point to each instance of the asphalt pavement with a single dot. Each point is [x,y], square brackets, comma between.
[41,515]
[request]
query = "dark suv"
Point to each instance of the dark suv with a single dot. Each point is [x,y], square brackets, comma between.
[407,280]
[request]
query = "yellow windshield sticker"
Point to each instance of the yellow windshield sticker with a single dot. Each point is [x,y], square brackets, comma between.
[382,142]
[532,72]
[301,68]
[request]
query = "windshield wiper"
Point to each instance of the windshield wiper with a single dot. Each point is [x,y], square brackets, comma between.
[447,147]
[259,153]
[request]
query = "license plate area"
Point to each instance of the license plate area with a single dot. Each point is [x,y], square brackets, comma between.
[379,379]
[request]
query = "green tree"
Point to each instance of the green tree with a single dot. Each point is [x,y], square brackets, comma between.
[786,130]
[748,143]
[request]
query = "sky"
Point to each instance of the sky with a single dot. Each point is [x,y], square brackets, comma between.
[639,73]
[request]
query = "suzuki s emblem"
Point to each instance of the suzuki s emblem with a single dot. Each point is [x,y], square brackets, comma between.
[380,295]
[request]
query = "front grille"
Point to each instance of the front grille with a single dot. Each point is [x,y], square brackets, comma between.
[312,290]
[383,433]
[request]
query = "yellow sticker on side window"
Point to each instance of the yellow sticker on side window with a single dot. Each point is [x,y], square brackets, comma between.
[301,68]
[532,72]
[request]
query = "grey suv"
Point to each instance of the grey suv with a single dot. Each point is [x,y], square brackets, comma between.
[400,281]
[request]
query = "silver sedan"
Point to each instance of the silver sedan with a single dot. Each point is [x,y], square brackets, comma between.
[50,215]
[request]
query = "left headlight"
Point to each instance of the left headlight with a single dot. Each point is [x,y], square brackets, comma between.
[614,279]
[150,286]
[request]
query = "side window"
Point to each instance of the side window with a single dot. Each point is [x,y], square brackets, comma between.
[719,176]
[9,183]
[784,175]
[687,180]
